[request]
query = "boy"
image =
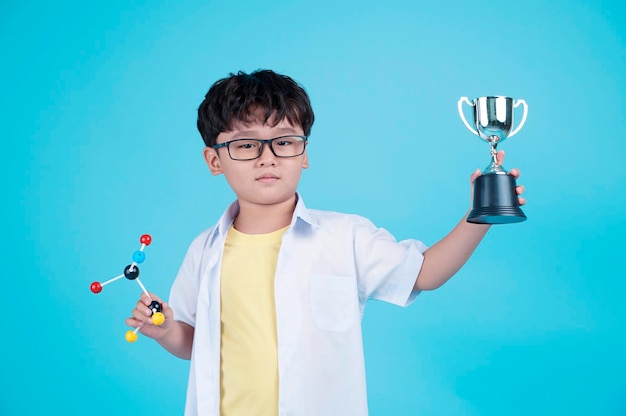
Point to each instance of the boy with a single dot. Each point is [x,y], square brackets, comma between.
[268,302]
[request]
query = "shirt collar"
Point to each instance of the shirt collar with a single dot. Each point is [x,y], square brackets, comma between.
[301,212]
[227,219]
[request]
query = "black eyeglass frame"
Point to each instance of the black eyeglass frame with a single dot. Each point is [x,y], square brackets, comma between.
[270,143]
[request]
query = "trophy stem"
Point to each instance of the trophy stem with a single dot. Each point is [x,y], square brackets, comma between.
[493,166]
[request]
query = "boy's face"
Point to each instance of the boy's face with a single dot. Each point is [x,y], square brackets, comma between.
[266,180]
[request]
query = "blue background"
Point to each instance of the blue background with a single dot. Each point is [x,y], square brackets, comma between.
[97,123]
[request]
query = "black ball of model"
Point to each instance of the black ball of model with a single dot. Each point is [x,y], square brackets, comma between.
[155,307]
[131,272]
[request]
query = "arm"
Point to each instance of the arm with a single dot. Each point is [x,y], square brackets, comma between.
[448,255]
[175,336]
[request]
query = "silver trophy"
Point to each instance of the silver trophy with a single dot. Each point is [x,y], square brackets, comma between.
[495,199]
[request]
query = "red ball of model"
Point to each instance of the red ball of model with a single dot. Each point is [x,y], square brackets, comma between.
[146,239]
[96,287]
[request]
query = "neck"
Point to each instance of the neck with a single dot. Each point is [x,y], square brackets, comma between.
[263,219]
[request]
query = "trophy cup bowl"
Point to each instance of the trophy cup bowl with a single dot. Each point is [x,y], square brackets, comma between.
[495,199]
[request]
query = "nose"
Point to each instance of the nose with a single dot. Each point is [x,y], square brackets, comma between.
[267,155]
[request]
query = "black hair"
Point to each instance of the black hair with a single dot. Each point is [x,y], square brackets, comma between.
[243,97]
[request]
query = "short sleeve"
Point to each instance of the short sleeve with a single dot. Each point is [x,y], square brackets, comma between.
[184,292]
[386,269]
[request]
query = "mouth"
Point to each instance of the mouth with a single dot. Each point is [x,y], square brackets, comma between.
[267,178]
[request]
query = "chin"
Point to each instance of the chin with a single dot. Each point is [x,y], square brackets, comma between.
[271,198]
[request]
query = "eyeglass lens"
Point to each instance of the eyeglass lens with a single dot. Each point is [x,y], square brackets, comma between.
[288,146]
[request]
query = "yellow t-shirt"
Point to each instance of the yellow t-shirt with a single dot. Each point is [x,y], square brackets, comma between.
[249,358]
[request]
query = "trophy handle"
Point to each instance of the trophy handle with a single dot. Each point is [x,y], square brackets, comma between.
[515,105]
[461,100]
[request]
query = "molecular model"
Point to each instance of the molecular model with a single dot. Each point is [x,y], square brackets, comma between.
[131,272]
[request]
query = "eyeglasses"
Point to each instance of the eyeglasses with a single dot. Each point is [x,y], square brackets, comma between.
[250,149]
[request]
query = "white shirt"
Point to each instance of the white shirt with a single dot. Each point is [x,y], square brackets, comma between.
[329,265]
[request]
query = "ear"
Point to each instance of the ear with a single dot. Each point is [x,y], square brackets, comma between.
[212,160]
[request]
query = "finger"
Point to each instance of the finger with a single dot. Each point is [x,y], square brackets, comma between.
[152,297]
[143,308]
[474,175]
[155,297]
[139,316]
[133,323]
[521,200]
[515,172]
[141,312]
[500,157]
[519,189]
[145,299]
[167,311]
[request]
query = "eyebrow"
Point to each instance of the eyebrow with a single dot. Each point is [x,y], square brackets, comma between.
[250,134]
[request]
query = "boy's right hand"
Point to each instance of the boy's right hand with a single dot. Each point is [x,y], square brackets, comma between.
[142,317]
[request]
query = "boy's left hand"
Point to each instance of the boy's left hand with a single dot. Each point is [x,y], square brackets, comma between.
[519,189]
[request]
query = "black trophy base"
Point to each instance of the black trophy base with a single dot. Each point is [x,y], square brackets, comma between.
[495,200]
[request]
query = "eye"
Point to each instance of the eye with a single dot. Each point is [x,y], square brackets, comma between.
[286,141]
[247,145]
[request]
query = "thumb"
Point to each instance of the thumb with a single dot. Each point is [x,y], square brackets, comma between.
[474,175]
[167,311]
[500,157]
